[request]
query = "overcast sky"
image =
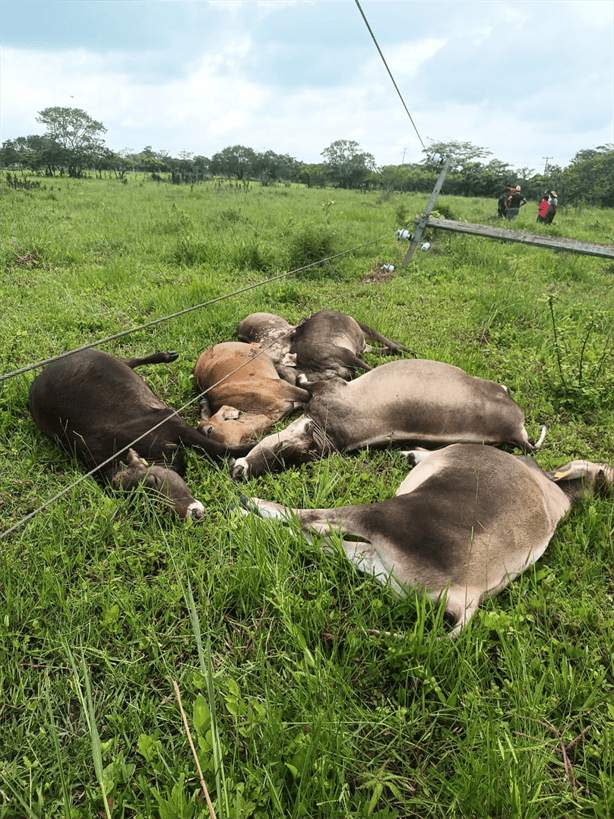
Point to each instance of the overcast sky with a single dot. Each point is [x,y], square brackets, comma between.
[526,80]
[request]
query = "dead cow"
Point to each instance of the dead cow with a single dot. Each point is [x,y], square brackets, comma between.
[465,522]
[94,405]
[244,391]
[413,401]
[322,346]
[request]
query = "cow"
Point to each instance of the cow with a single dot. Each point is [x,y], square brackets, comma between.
[412,401]
[96,406]
[466,521]
[322,346]
[244,391]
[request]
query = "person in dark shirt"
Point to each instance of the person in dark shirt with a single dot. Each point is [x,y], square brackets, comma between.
[502,202]
[516,201]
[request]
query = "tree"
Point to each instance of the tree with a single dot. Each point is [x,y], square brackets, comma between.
[312,174]
[347,165]
[236,160]
[34,152]
[590,176]
[461,153]
[77,133]
[271,167]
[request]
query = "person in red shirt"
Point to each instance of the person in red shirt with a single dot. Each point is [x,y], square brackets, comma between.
[543,207]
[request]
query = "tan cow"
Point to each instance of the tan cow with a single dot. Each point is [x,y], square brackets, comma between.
[466,521]
[244,393]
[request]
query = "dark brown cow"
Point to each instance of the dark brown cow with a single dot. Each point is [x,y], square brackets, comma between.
[244,391]
[413,401]
[465,522]
[322,346]
[95,405]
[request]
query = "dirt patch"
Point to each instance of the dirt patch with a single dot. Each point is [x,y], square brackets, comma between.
[380,273]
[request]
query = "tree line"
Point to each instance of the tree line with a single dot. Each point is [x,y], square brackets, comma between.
[73,145]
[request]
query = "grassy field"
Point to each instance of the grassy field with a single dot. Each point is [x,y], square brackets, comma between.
[295,707]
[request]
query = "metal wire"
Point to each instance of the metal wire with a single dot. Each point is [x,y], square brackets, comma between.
[389,72]
[6,376]
[264,349]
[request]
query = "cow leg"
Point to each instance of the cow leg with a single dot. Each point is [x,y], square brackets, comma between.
[391,346]
[205,409]
[362,554]
[292,445]
[287,374]
[153,358]
[461,603]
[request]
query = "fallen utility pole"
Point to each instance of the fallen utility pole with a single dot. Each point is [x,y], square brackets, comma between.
[535,239]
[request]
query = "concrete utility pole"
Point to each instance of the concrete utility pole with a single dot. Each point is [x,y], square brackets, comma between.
[546,165]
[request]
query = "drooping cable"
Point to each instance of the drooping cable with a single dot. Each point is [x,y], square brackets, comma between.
[389,72]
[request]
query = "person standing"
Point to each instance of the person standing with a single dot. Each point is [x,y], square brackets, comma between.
[502,202]
[543,207]
[516,201]
[553,205]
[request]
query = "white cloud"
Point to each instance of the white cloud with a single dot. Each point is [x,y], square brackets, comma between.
[218,74]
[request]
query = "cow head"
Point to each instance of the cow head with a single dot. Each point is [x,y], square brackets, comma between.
[159,479]
[231,427]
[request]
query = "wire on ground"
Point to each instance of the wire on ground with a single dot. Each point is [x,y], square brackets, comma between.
[38,364]
[92,472]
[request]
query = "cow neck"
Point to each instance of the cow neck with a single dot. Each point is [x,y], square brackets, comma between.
[324,442]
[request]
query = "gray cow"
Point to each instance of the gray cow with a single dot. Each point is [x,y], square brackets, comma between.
[413,401]
[322,346]
[466,521]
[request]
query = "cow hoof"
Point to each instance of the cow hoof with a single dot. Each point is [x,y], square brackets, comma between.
[238,469]
[196,511]
[253,506]
[414,456]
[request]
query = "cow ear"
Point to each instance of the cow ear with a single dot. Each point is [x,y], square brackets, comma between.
[132,459]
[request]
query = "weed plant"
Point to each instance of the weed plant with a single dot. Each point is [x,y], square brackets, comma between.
[295,706]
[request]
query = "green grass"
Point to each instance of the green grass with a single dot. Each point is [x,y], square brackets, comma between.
[296,708]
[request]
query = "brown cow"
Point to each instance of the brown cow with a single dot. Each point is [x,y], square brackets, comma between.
[96,406]
[466,521]
[413,401]
[244,391]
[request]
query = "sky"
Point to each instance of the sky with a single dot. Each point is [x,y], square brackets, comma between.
[525,80]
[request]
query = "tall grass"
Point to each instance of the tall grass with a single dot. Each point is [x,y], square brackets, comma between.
[297,708]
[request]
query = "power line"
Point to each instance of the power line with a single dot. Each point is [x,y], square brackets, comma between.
[389,72]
